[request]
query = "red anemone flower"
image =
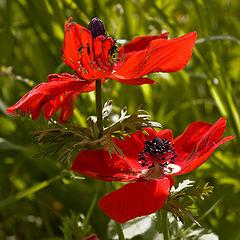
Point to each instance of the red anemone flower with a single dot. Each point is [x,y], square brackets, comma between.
[91,54]
[149,161]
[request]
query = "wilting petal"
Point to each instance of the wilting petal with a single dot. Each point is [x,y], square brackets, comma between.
[205,145]
[98,164]
[90,59]
[136,199]
[66,99]
[161,55]
[32,102]
[51,107]
[67,107]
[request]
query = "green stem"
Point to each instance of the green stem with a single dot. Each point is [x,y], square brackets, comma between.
[99,107]
[118,226]
[109,185]
[119,231]
[165,229]
[86,220]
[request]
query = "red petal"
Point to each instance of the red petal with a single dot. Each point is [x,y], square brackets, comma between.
[51,107]
[213,135]
[136,45]
[64,100]
[33,101]
[206,143]
[200,157]
[67,107]
[98,164]
[102,46]
[161,55]
[187,142]
[140,43]
[90,59]
[136,199]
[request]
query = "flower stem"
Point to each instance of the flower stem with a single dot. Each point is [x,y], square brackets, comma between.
[86,220]
[119,231]
[165,230]
[118,226]
[99,107]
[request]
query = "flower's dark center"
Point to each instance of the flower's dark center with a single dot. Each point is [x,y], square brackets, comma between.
[157,150]
[97,28]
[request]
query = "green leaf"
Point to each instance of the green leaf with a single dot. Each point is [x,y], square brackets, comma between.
[27,192]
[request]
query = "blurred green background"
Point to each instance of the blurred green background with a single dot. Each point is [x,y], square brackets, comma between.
[31,37]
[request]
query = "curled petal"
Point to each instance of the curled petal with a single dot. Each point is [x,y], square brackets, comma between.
[206,138]
[66,99]
[212,136]
[161,55]
[136,199]
[187,142]
[67,107]
[200,157]
[49,93]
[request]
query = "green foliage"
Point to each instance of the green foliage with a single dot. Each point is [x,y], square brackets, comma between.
[181,200]
[64,139]
[31,37]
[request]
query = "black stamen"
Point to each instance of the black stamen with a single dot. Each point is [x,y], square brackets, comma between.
[97,28]
[157,147]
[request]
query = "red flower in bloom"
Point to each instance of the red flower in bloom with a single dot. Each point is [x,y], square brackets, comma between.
[149,160]
[90,53]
